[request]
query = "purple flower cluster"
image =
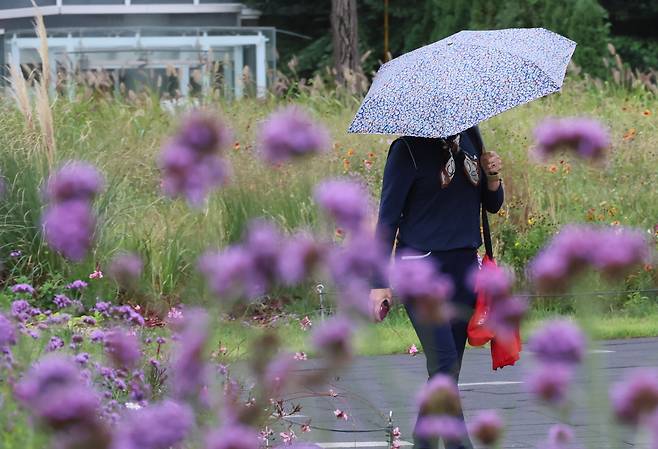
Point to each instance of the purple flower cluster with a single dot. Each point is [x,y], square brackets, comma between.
[345,201]
[333,339]
[52,382]
[612,251]
[487,427]
[290,133]
[77,285]
[188,368]
[69,221]
[192,162]
[62,301]
[125,269]
[449,428]
[636,397]
[587,138]
[23,288]
[264,259]
[7,333]
[158,426]
[417,282]
[123,348]
[439,396]
[559,347]
[233,436]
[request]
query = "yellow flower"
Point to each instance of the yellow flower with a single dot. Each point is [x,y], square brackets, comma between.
[646,113]
[350,152]
[630,134]
[552,168]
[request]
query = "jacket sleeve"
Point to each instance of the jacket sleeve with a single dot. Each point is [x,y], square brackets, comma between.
[492,200]
[399,175]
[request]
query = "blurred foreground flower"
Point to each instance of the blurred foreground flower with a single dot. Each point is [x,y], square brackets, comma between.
[344,200]
[74,181]
[585,137]
[439,396]
[291,133]
[125,269]
[487,427]
[635,397]
[449,428]
[612,251]
[192,161]
[233,436]
[558,341]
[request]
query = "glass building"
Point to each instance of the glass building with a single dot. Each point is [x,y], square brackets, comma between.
[176,46]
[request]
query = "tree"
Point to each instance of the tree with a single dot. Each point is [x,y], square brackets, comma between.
[345,37]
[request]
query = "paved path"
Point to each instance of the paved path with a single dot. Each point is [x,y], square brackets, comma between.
[374,385]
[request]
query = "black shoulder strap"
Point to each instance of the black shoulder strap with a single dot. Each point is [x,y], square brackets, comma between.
[413,159]
[476,137]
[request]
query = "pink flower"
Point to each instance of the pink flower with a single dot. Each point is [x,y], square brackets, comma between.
[288,437]
[301,356]
[96,274]
[340,414]
[413,350]
[305,323]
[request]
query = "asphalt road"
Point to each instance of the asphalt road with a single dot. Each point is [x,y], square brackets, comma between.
[374,386]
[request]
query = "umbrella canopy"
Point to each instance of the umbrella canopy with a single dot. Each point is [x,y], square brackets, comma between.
[446,87]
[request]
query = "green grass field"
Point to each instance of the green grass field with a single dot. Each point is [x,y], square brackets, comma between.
[123,139]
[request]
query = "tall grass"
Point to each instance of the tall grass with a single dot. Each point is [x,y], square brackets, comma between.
[123,139]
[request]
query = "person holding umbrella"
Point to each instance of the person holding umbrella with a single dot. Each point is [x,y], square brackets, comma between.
[439,176]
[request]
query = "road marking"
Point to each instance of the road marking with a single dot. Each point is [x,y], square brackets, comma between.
[360,444]
[498,382]
[600,351]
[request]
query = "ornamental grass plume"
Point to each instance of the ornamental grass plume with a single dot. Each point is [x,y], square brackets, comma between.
[346,201]
[585,137]
[636,397]
[192,161]
[290,133]
[158,426]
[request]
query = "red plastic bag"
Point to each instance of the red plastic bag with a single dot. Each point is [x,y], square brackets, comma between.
[478,333]
[504,351]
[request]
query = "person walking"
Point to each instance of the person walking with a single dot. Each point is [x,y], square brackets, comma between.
[432,193]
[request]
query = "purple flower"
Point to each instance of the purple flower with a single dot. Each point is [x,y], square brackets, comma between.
[204,133]
[126,268]
[558,341]
[62,301]
[97,336]
[123,348]
[191,162]
[233,436]
[586,137]
[560,435]
[77,285]
[77,181]
[188,368]
[358,260]
[290,133]
[439,396]
[15,254]
[158,426]
[550,382]
[103,307]
[21,310]
[278,373]
[82,358]
[52,382]
[447,427]
[345,201]
[619,250]
[23,288]
[68,228]
[299,257]
[89,320]
[487,427]
[7,333]
[494,281]
[54,344]
[128,314]
[505,315]
[635,397]
[417,282]
[333,338]
[230,272]
[263,242]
